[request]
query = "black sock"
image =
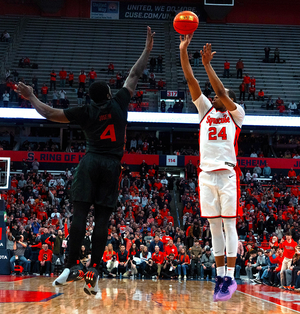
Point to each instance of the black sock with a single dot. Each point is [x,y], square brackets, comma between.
[77,231]
[99,238]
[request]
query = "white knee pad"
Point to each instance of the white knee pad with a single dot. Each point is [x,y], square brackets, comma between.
[218,241]
[231,237]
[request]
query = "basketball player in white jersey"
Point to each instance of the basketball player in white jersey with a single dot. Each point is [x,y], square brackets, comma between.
[220,125]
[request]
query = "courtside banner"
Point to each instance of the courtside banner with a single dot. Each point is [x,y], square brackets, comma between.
[157,11]
[104,10]
[248,162]
[72,158]
[136,159]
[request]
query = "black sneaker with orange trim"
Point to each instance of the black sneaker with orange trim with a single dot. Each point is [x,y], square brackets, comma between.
[76,274]
[69,275]
[91,281]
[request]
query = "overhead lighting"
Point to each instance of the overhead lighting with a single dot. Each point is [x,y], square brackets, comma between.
[164,117]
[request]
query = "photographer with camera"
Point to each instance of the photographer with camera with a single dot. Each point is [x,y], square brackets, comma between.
[112,266]
[169,267]
[150,269]
[19,250]
[130,267]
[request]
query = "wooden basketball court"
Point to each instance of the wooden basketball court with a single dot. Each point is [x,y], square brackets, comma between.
[35,295]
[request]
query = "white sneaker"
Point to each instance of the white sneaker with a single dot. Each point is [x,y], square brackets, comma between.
[184,277]
[62,279]
[179,277]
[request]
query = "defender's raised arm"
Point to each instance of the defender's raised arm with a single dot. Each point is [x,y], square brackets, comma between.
[140,65]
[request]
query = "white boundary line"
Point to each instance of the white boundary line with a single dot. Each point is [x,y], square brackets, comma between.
[252,296]
[267,301]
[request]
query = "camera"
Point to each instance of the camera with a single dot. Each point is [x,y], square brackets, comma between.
[114,257]
[131,258]
[17,238]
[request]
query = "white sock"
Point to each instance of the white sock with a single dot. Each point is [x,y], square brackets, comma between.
[63,277]
[221,271]
[230,272]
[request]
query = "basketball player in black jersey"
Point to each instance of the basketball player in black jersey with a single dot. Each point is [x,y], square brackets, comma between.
[97,176]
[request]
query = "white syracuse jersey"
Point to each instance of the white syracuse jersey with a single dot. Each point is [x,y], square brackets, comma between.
[218,135]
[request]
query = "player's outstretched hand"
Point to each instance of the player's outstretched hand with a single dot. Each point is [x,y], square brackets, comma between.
[24,90]
[206,54]
[185,41]
[149,40]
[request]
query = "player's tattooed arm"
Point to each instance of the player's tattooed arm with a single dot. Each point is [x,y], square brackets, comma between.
[141,64]
[52,114]
[193,84]
[217,85]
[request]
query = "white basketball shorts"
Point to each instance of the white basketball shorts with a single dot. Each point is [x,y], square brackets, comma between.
[219,194]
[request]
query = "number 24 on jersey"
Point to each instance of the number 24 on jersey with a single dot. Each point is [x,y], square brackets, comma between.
[213,136]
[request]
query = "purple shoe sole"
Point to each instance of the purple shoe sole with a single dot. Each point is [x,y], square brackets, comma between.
[215,297]
[227,296]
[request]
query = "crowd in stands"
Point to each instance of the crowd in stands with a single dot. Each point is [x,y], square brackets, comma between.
[143,240]
[250,145]
[270,218]
[5,36]
[177,106]
[59,99]
[48,146]
[276,55]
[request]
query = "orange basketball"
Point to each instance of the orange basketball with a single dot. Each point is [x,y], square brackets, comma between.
[185,22]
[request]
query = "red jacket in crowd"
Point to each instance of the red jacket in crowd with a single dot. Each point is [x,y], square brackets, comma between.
[226,65]
[45,255]
[288,248]
[63,75]
[171,249]
[44,90]
[158,258]
[108,255]
[277,260]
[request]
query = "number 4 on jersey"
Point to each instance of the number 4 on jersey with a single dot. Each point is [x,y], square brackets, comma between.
[213,131]
[109,133]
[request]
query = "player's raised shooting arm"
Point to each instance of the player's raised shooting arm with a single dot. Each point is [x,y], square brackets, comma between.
[138,68]
[215,82]
[52,114]
[193,84]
